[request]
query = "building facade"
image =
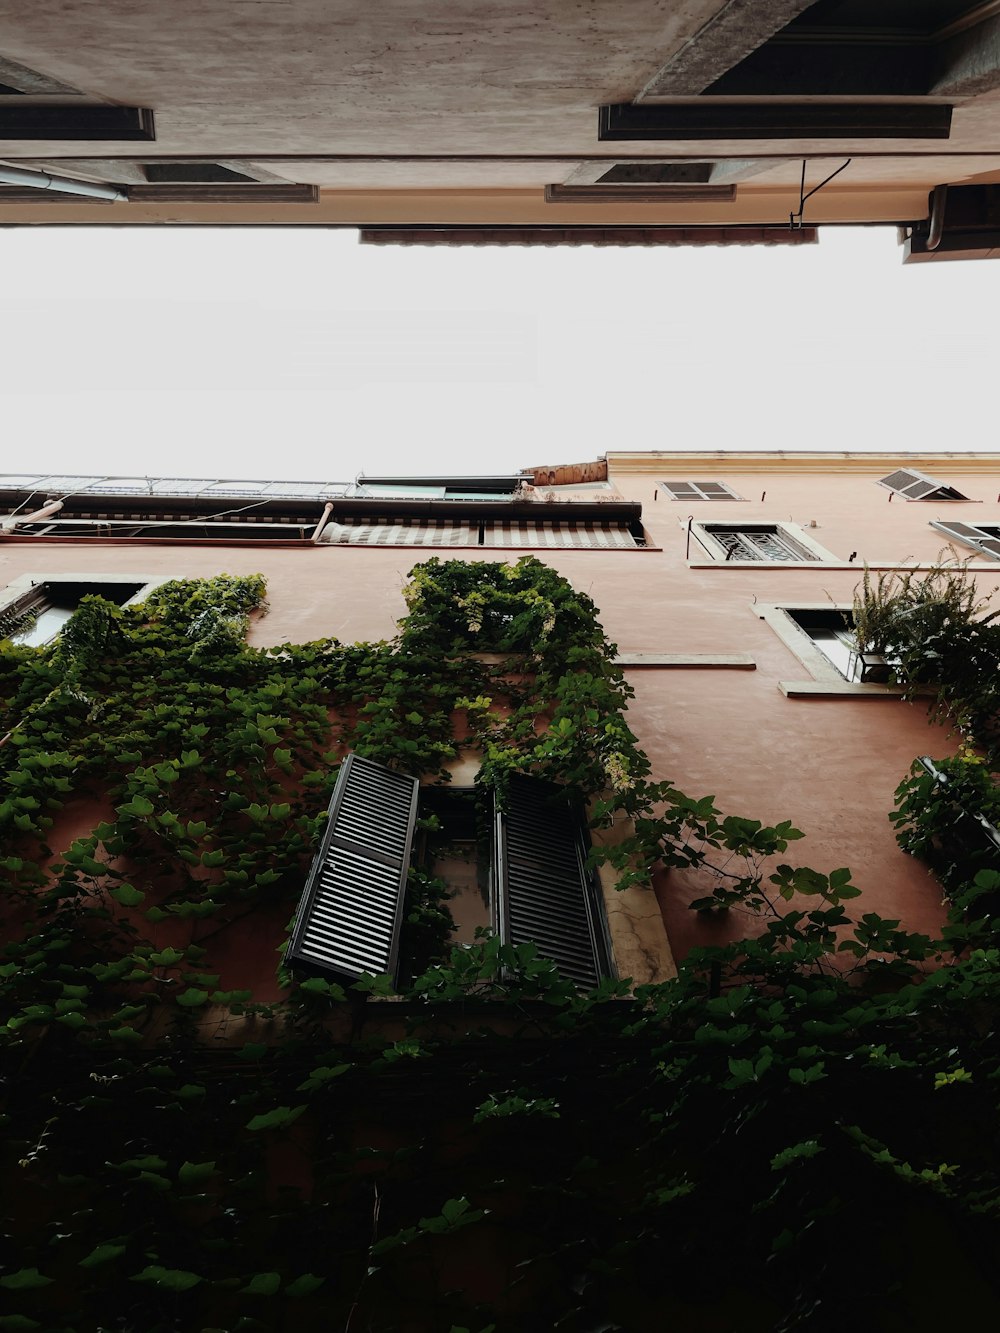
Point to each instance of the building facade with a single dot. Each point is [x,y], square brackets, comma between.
[248,1092]
[703,122]
[726,582]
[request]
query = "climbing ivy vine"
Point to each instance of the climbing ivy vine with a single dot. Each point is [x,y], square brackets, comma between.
[490,1149]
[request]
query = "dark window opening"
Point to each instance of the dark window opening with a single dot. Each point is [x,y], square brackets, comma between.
[456,850]
[853,48]
[191,173]
[658,173]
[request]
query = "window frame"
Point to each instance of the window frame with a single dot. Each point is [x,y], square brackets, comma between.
[699,495]
[790,534]
[917,478]
[948,528]
[331,906]
[825,678]
[22,587]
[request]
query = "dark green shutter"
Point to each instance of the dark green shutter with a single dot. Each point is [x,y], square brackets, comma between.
[349,916]
[544,892]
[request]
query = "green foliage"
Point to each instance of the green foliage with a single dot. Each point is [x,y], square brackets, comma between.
[187,1154]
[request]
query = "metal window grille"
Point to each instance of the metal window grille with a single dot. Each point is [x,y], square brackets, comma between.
[766,544]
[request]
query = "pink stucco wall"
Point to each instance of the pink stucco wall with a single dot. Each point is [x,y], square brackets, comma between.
[830,764]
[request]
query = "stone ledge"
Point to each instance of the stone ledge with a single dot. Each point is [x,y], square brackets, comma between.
[733,662]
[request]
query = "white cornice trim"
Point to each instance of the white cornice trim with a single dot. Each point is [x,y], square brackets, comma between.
[710,462]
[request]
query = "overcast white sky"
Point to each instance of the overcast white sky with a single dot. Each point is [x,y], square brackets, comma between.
[302,355]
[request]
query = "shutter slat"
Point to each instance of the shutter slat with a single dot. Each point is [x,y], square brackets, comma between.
[349,916]
[546,895]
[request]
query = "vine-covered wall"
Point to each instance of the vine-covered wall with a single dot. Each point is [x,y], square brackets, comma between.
[494,1151]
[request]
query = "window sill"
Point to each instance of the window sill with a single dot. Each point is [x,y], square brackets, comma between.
[710,661]
[857,566]
[829,689]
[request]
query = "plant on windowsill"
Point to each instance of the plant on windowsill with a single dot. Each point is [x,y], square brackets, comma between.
[908,625]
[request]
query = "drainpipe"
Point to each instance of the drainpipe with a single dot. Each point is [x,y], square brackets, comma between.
[324,519]
[46,511]
[938,196]
[41,180]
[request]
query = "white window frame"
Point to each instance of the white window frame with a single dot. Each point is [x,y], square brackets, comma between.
[791,533]
[918,477]
[948,528]
[699,495]
[825,680]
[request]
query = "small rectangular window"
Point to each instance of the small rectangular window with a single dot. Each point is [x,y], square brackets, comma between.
[699,490]
[913,485]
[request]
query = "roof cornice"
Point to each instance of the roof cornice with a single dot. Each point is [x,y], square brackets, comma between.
[711,462]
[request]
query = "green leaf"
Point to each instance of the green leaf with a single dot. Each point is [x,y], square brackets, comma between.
[72,1021]
[127,895]
[166,957]
[25,1279]
[17,1323]
[170,1279]
[102,1254]
[138,805]
[276,1119]
[194,1173]
[323,1074]
[192,997]
[799,1152]
[262,1284]
[125,1034]
[304,1285]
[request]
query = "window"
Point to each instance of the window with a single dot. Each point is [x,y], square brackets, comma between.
[916,486]
[771,543]
[831,632]
[36,616]
[822,638]
[982,537]
[699,490]
[535,888]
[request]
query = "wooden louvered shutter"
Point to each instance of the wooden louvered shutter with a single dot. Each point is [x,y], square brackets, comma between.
[349,916]
[544,892]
